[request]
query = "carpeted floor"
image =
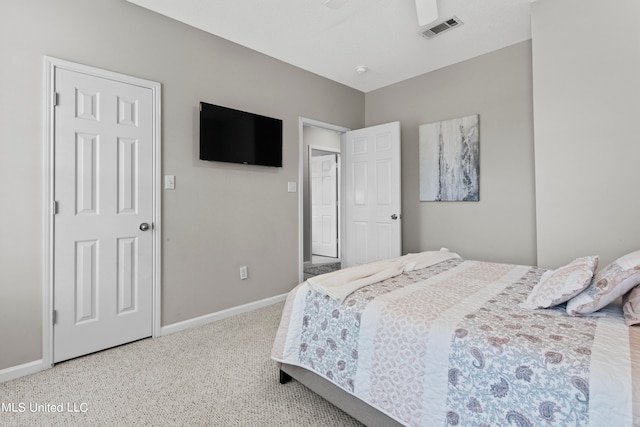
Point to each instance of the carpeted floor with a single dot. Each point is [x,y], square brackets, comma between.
[311,270]
[219,374]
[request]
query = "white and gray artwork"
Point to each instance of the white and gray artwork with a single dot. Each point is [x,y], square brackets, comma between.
[450,160]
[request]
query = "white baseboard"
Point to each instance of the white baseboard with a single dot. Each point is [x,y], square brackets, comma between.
[25,369]
[18,371]
[219,315]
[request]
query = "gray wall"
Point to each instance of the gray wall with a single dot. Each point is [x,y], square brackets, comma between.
[218,218]
[498,87]
[587,103]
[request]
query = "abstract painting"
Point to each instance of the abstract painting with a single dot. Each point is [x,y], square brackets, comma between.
[450,160]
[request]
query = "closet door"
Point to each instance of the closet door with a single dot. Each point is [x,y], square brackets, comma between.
[103,186]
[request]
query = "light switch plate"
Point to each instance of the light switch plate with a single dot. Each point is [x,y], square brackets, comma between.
[292,187]
[169,182]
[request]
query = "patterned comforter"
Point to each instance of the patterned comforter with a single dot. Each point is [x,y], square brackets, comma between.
[449,345]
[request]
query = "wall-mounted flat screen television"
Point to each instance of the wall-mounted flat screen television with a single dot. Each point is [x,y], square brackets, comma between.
[228,135]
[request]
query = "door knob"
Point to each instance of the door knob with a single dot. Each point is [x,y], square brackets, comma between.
[394,216]
[144,226]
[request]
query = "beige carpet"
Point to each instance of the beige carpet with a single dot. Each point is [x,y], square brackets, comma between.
[219,374]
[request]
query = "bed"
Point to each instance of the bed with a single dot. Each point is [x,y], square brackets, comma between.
[431,339]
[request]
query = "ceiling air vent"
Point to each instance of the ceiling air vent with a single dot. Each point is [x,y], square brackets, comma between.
[440,27]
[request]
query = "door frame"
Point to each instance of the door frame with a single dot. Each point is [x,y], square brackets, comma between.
[302,122]
[51,65]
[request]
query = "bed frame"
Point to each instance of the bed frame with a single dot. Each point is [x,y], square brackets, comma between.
[353,406]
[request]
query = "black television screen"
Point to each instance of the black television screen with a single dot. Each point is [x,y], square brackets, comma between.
[228,135]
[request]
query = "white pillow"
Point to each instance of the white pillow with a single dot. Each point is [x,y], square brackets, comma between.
[562,284]
[610,283]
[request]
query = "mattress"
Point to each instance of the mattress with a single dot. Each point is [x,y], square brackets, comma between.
[449,344]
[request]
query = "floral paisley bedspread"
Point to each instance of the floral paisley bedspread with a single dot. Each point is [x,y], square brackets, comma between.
[448,345]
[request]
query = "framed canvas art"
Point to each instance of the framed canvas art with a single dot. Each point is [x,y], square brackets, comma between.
[449,154]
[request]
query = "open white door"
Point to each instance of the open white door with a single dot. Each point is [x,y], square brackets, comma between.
[104,224]
[324,205]
[371,159]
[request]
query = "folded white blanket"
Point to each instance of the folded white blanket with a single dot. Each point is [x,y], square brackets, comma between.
[341,283]
[425,259]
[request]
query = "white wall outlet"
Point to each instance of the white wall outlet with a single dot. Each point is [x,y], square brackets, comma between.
[244,272]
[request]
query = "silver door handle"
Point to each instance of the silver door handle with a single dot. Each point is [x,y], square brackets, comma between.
[394,216]
[144,226]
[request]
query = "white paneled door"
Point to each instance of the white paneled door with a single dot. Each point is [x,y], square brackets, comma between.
[372,200]
[103,229]
[324,205]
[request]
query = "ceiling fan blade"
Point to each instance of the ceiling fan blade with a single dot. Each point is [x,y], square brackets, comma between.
[427,11]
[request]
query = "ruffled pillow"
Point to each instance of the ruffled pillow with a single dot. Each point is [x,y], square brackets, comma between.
[631,307]
[562,284]
[610,283]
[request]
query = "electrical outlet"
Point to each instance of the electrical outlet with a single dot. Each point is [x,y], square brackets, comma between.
[244,272]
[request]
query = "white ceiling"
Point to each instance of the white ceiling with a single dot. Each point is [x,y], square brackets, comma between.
[379,34]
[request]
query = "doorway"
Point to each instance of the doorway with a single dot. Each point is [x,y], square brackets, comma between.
[320,145]
[369,217]
[324,189]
